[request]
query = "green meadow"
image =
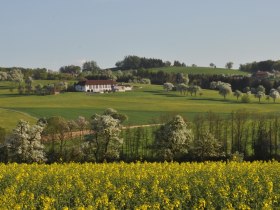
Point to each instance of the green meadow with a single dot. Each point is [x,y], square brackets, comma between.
[144,105]
[200,70]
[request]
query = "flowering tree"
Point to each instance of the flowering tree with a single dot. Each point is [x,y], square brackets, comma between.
[274,94]
[105,142]
[168,86]
[24,144]
[173,139]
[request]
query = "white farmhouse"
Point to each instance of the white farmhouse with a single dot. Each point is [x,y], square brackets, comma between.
[96,86]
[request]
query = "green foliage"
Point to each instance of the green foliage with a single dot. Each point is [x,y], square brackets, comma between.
[207,146]
[245,98]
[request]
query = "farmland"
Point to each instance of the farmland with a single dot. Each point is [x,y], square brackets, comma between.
[145,105]
[206,185]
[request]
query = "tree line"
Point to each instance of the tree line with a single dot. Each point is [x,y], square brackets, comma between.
[240,134]
[268,65]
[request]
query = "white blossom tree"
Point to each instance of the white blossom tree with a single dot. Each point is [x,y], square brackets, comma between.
[259,95]
[224,90]
[24,144]
[3,76]
[105,142]
[274,94]
[237,94]
[168,86]
[173,139]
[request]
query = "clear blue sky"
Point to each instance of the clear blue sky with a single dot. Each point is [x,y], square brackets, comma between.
[54,33]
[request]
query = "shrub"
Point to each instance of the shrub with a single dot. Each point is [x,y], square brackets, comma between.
[245,99]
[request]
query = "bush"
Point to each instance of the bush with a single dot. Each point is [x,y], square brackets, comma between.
[245,99]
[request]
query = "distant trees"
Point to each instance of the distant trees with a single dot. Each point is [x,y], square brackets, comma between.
[179,64]
[90,66]
[24,144]
[72,69]
[229,65]
[212,65]
[267,65]
[173,139]
[135,62]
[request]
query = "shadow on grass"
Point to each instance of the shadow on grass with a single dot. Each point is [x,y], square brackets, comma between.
[214,99]
[10,95]
[160,93]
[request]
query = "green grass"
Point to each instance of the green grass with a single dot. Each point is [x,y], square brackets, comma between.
[9,118]
[200,70]
[143,106]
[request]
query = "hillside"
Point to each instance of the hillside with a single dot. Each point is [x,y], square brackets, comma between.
[200,70]
[144,105]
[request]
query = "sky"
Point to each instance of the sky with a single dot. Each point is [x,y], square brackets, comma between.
[54,33]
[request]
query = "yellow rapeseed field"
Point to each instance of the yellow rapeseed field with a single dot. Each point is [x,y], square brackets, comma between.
[210,185]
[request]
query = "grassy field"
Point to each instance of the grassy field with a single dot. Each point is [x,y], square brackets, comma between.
[144,105]
[200,70]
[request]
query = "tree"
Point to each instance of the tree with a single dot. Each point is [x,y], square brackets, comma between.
[274,94]
[28,84]
[238,94]
[24,144]
[225,90]
[182,78]
[246,89]
[90,66]
[173,139]
[229,65]
[16,76]
[212,65]
[259,95]
[168,86]
[194,89]
[261,88]
[3,76]
[57,129]
[167,63]
[207,146]
[105,142]
[82,124]
[113,113]
[177,63]
[182,88]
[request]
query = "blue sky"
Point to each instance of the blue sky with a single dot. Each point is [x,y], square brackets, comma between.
[55,33]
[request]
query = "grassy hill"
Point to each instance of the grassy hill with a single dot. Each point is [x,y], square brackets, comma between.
[200,70]
[144,105]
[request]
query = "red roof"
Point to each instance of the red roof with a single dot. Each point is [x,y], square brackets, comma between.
[97,82]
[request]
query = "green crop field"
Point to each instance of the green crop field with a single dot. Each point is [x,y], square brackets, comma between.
[145,105]
[200,70]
